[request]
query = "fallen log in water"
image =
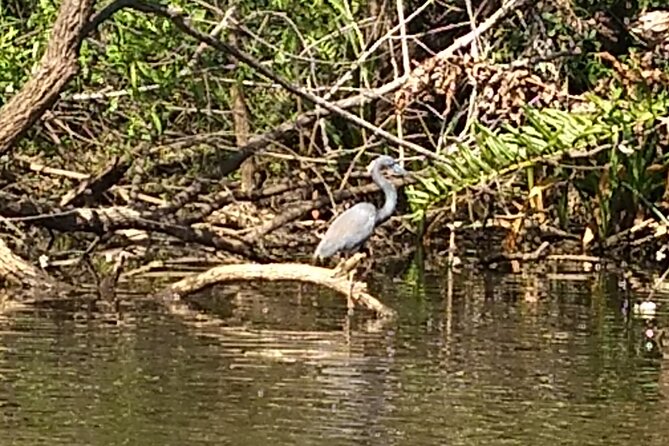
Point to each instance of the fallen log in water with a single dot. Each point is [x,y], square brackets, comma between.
[16,271]
[277,271]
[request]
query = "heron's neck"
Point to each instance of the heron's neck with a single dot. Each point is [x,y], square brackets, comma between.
[390,193]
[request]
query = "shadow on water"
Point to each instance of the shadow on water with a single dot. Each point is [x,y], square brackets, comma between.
[474,359]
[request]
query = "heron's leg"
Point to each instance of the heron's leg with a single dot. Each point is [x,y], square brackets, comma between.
[339,269]
[370,251]
[368,265]
[365,252]
[349,264]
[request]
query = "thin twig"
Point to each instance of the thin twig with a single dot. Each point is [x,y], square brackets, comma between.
[488,23]
[369,51]
[472,22]
[403,36]
[223,24]
[181,21]
[40,168]
[657,284]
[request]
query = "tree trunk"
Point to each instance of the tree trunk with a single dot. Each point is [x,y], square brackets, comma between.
[242,128]
[57,67]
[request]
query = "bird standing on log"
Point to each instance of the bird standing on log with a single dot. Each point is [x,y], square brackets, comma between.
[352,228]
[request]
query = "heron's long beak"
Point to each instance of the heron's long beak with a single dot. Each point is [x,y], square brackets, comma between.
[399,170]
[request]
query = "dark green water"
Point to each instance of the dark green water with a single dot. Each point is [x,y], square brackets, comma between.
[484,364]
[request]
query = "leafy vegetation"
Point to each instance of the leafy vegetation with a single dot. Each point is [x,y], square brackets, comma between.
[620,133]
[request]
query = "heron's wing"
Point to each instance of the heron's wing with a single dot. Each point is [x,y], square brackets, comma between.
[348,230]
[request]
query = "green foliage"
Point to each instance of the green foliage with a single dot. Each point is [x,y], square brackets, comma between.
[623,129]
[302,40]
[498,153]
[145,59]
[22,43]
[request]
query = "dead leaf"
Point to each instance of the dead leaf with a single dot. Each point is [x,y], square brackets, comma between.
[588,236]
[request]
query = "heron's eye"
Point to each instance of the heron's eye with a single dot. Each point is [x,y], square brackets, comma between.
[399,170]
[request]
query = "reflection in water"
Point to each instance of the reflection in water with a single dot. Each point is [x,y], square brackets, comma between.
[473,360]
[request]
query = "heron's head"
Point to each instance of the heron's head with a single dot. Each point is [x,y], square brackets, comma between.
[385,161]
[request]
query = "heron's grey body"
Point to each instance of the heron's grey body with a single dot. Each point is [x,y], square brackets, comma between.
[352,228]
[348,231]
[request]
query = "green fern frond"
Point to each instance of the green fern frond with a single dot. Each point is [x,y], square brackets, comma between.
[547,133]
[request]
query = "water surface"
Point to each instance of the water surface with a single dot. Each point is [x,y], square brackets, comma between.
[473,360]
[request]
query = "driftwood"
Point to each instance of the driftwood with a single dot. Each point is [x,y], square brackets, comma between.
[277,272]
[14,269]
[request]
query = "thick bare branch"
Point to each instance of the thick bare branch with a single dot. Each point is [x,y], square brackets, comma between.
[107,219]
[278,271]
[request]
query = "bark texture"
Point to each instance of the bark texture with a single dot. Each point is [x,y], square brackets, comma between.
[56,68]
